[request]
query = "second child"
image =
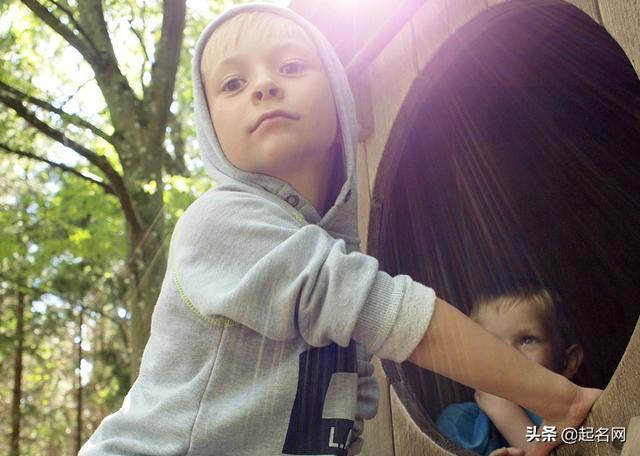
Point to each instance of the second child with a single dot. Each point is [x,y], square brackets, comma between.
[530,321]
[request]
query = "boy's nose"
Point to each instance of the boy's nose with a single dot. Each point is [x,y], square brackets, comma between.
[267,90]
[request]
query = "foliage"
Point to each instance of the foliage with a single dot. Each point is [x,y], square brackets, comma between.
[66,255]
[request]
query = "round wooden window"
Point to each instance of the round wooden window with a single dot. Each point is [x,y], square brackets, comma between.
[519,162]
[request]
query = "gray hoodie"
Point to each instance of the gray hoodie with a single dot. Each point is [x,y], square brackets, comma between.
[260,335]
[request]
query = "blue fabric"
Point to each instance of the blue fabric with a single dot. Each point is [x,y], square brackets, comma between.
[468,426]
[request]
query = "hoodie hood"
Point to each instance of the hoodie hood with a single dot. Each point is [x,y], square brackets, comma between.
[340,220]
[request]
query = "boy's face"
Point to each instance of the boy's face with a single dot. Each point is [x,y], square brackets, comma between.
[523,327]
[271,104]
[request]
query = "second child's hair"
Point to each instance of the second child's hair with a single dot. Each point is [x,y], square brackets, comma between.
[546,303]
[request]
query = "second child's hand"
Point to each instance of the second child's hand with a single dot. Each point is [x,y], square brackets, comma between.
[510,419]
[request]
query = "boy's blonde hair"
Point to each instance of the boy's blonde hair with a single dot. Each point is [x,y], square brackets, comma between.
[229,34]
[542,299]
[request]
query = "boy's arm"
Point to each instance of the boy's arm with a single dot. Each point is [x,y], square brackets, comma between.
[457,347]
[237,257]
[510,419]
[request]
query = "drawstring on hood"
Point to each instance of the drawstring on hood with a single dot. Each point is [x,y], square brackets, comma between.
[340,219]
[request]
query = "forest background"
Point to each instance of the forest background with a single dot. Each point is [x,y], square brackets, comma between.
[98,159]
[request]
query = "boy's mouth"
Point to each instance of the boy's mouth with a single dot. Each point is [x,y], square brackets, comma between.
[271,115]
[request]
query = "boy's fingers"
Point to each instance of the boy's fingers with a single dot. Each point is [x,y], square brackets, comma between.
[585,400]
[511,451]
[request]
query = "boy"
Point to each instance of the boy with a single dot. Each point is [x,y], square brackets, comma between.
[530,321]
[259,337]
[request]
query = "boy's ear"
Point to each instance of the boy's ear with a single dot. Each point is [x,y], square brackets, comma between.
[573,357]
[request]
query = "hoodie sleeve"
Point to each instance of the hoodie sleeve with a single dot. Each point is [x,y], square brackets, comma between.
[236,256]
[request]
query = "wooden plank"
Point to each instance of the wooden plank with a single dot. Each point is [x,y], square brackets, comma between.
[390,76]
[364,195]
[632,445]
[619,403]
[459,12]
[621,18]
[430,30]
[408,438]
[588,6]
[378,435]
[621,399]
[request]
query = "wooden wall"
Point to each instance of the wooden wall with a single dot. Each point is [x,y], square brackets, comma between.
[380,94]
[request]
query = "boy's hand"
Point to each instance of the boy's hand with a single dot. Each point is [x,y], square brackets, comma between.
[493,405]
[496,407]
[584,399]
[511,451]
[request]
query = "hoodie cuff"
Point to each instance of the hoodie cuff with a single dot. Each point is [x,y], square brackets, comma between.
[379,311]
[410,326]
[395,316]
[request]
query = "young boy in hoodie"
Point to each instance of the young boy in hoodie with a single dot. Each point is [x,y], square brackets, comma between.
[260,335]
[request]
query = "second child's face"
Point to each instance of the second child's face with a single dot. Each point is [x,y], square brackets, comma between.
[524,329]
[272,106]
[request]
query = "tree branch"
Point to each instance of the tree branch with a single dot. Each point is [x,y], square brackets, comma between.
[60,137]
[73,20]
[138,35]
[84,48]
[164,69]
[40,292]
[115,87]
[175,164]
[93,43]
[78,89]
[115,179]
[72,118]
[106,187]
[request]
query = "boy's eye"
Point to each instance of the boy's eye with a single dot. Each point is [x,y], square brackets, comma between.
[293,67]
[527,340]
[233,84]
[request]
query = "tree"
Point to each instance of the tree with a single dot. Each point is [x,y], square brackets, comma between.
[52,272]
[127,153]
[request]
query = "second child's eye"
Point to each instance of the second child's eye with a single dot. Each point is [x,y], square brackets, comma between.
[233,84]
[527,340]
[293,67]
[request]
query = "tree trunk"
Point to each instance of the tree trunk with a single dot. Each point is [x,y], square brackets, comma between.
[147,262]
[17,378]
[79,389]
